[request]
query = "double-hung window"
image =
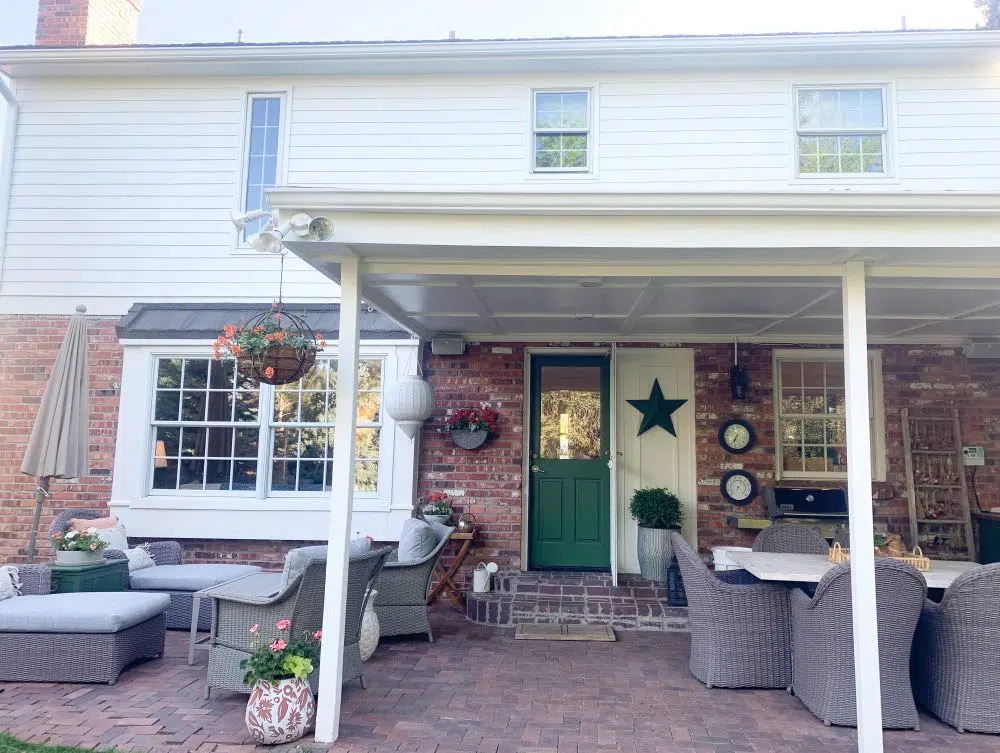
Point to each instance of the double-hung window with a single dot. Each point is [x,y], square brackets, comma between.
[216,431]
[811,418]
[561,123]
[841,131]
[263,153]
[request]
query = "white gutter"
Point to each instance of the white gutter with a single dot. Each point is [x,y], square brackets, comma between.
[7,166]
[498,53]
[775,203]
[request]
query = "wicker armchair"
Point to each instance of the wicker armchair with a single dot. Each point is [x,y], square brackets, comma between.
[301,602]
[401,604]
[955,660]
[740,627]
[790,538]
[823,644]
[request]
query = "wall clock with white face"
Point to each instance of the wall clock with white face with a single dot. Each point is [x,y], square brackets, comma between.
[738,487]
[737,436]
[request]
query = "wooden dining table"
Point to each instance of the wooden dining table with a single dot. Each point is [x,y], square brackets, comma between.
[810,568]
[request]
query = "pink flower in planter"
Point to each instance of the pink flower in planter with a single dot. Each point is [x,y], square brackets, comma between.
[93,547]
[283,624]
[318,635]
[278,645]
[254,628]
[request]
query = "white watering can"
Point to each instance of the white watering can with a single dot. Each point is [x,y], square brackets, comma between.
[481,576]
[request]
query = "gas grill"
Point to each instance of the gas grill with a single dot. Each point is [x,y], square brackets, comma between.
[822,509]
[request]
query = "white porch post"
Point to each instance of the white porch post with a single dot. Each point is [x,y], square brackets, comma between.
[341,494]
[859,492]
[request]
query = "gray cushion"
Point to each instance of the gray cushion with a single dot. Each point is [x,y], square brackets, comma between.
[186,577]
[80,612]
[296,558]
[416,540]
[441,531]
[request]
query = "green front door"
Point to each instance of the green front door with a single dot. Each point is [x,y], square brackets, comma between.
[570,496]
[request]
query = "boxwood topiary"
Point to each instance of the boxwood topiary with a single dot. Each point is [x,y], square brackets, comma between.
[656,508]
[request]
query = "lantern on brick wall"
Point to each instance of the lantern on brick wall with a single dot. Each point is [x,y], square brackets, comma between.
[409,402]
[738,381]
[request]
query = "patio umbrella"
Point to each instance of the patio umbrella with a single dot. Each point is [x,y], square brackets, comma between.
[59,443]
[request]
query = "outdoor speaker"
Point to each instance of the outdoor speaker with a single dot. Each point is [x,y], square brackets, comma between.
[447,346]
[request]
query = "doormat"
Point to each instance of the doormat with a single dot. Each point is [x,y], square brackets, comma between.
[527,632]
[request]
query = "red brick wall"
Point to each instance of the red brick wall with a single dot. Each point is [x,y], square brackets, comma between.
[75,23]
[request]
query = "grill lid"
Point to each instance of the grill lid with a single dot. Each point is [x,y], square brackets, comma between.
[788,502]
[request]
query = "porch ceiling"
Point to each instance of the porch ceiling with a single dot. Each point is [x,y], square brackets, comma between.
[705,308]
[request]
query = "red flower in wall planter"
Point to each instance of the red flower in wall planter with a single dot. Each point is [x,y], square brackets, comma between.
[471,427]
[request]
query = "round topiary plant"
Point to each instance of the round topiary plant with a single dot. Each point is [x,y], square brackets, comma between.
[656,508]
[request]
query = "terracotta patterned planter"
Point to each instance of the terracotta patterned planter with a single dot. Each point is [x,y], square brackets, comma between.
[280,712]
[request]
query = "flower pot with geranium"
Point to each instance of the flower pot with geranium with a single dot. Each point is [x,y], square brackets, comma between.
[274,347]
[281,706]
[471,427]
[78,547]
[437,508]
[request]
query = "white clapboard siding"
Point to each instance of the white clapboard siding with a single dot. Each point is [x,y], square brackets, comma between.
[121,193]
[122,188]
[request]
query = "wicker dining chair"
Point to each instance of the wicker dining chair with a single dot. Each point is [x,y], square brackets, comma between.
[301,602]
[956,665]
[790,538]
[740,627]
[823,644]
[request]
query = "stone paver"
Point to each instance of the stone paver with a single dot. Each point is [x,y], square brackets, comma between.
[474,690]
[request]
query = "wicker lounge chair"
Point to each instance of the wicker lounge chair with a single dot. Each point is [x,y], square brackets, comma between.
[790,538]
[170,576]
[955,659]
[301,602]
[401,604]
[823,644]
[740,627]
[76,637]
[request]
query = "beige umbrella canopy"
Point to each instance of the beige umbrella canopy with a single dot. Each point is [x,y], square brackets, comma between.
[60,438]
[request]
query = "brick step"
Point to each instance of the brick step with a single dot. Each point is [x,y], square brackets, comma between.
[558,584]
[622,612]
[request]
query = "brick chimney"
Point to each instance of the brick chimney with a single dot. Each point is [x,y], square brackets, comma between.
[76,23]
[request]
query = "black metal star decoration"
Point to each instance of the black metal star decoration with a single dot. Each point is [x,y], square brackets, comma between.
[657,410]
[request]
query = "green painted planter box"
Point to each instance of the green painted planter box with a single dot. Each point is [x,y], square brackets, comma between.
[110,575]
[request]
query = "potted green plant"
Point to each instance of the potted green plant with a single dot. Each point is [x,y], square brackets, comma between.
[437,508]
[281,706]
[78,547]
[658,512]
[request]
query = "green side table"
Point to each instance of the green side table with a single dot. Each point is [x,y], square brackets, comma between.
[110,575]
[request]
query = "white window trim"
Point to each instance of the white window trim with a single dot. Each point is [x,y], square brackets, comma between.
[240,246]
[258,514]
[876,407]
[889,135]
[591,132]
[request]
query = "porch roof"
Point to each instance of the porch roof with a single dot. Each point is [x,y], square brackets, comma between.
[580,266]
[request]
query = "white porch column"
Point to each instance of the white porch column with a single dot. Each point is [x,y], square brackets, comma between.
[341,494]
[859,492]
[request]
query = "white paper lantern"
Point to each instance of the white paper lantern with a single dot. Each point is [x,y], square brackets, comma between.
[409,402]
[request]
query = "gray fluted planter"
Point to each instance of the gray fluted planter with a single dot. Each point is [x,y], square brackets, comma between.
[654,552]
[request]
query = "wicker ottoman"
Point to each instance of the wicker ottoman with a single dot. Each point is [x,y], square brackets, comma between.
[79,637]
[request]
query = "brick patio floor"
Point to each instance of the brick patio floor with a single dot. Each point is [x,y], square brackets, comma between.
[474,690]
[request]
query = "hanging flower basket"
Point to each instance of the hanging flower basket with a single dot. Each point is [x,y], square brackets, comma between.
[471,427]
[274,347]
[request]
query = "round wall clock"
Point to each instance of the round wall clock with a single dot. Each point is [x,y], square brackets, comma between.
[739,487]
[737,436]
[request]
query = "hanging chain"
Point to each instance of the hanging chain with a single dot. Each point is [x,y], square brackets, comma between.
[281,276]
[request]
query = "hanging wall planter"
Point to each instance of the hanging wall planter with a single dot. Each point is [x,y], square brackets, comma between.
[471,427]
[409,402]
[274,347]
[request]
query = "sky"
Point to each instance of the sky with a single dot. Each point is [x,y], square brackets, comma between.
[171,21]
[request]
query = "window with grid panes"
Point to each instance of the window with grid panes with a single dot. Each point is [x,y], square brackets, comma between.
[810,402]
[561,131]
[302,429]
[263,147]
[841,131]
[208,420]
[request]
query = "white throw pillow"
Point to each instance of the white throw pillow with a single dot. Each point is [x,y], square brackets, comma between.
[10,584]
[115,537]
[139,558]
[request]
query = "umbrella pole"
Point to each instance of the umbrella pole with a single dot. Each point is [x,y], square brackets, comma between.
[41,492]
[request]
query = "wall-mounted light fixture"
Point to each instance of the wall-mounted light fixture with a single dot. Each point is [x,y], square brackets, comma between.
[738,380]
